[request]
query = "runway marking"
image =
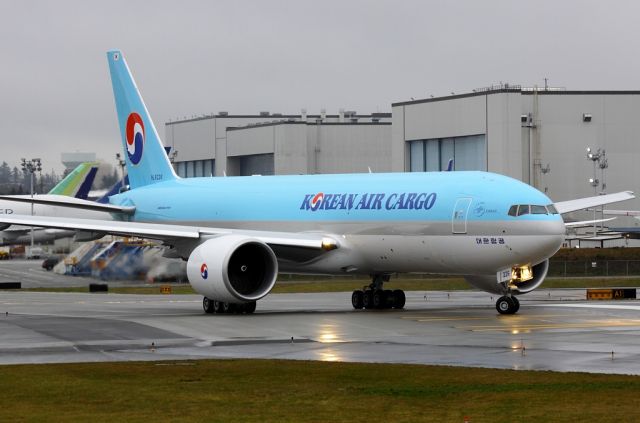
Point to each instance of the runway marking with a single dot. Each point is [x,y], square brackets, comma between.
[530,327]
[595,306]
[491,317]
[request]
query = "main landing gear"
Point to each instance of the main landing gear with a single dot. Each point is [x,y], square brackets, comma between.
[219,307]
[507,304]
[374,296]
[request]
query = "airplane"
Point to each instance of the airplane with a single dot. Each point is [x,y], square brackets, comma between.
[75,185]
[238,233]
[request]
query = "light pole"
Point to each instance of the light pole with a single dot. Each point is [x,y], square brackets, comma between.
[121,163]
[31,166]
[599,161]
[172,156]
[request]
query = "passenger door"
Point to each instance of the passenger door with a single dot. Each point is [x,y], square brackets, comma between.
[459,216]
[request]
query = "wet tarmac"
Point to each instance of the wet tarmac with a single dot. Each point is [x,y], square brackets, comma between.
[554,330]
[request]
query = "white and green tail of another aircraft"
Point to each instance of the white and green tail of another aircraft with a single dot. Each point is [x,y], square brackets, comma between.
[77,183]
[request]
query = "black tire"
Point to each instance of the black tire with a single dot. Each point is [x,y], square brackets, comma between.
[388,298]
[218,307]
[229,308]
[399,299]
[207,305]
[249,308]
[367,300]
[505,305]
[378,299]
[357,299]
[516,304]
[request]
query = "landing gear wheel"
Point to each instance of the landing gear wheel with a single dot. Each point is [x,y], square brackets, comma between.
[249,308]
[399,299]
[506,305]
[378,299]
[207,305]
[516,303]
[229,308]
[367,299]
[357,299]
[375,296]
[217,307]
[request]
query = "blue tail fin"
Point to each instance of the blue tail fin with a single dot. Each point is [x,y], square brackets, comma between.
[147,162]
[450,165]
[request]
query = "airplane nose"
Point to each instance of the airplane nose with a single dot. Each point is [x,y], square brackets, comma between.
[550,239]
[541,243]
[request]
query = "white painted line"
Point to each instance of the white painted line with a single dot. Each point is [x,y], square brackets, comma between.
[602,306]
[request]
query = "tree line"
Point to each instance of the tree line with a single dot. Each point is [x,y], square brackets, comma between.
[15,181]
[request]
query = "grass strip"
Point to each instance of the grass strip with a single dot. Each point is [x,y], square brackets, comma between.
[297,391]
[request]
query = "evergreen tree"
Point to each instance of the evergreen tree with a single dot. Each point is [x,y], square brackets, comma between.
[5,173]
[16,175]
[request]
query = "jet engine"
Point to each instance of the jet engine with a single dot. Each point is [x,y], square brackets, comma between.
[232,268]
[517,285]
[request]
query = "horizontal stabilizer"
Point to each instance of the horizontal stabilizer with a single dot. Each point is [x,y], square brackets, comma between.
[64,201]
[598,200]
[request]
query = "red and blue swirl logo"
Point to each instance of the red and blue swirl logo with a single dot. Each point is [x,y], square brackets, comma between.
[135,138]
[204,271]
[316,201]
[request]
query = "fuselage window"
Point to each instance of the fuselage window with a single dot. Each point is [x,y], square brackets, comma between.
[523,209]
[513,210]
[552,209]
[538,210]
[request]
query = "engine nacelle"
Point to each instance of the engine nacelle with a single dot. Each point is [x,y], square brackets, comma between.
[232,268]
[489,282]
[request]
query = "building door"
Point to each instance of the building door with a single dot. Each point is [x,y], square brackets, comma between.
[459,216]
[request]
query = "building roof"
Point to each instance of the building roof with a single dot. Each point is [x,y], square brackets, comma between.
[275,116]
[516,89]
[299,122]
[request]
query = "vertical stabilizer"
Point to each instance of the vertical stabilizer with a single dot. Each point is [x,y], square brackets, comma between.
[147,162]
[78,182]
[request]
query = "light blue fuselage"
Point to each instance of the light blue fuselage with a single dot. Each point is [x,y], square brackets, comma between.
[449,222]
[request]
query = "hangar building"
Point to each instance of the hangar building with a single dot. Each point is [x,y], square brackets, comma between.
[539,136]
[267,144]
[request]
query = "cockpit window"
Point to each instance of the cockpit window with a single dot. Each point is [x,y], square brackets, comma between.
[538,210]
[522,209]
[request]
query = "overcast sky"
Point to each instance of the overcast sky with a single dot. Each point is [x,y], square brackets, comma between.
[198,57]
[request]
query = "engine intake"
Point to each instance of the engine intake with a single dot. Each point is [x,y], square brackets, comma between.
[233,268]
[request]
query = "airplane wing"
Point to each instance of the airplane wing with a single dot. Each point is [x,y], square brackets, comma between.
[584,203]
[585,223]
[169,233]
[65,201]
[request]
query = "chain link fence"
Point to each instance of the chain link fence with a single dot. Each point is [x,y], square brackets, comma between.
[594,268]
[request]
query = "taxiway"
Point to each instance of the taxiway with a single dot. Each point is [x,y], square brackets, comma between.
[554,330]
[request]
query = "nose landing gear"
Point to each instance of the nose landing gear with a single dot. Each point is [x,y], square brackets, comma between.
[507,304]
